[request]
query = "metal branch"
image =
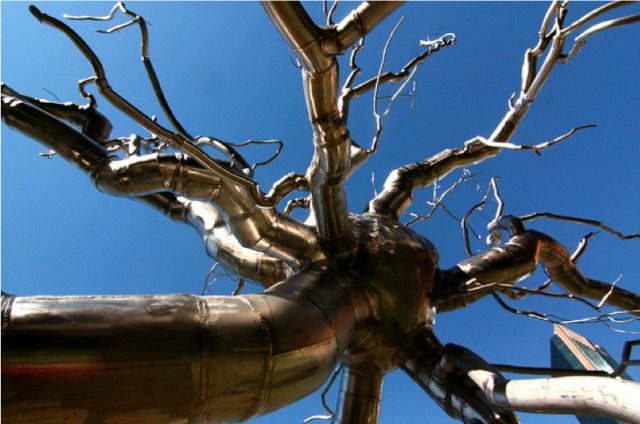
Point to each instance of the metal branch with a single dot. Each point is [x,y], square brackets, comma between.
[507,289]
[582,395]
[360,395]
[347,87]
[112,347]
[323,397]
[118,101]
[357,24]
[398,190]
[329,12]
[472,210]
[237,160]
[267,161]
[144,53]
[404,76]
[52,132]
[404,73]
[299,202]
[437,201]
[225,249]
[261,229]
[378,116]
[594,223]
[581,39]
[332,142]
[108,17]
[286,185]
[517,259]
[584,20]
[535,147]
[582,247]
[626,358]
[93,123]
[423,360]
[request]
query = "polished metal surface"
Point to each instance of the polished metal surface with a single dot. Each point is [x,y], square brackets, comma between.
[332,141]
[360,397]
[333,293]
[173,358]
[497,268]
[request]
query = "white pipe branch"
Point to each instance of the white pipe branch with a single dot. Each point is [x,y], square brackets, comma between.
[612,397]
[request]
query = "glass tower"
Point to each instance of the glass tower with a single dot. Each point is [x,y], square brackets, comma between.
[570,350]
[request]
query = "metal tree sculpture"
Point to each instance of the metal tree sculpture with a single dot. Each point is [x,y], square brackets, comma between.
[360,290]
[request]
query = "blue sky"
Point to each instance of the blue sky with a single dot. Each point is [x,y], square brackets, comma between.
[227,72]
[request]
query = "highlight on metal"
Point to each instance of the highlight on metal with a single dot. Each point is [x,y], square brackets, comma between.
[331,293]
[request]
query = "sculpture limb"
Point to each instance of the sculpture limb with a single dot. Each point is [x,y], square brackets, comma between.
[168,358]
[582,395]
[502,267]
[256,228]
[422,359]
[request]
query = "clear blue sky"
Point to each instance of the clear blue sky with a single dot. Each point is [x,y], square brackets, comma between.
[227,73]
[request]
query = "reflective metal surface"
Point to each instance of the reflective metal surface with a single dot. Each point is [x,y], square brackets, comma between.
[357,290]
[174,358]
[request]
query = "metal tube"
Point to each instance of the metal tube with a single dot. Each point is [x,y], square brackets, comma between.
[171,358]
[221,245]
[422,360]
[359,398]
[363,20]
[262,229]
[476,276]
[606,396]
[74,146]
[332,141]
[596,396]
[94,124]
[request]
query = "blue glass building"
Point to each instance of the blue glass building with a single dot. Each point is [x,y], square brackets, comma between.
[570,350]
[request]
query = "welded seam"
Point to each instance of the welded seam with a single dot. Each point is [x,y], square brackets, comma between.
[7,303]
[204,389]
[269,362]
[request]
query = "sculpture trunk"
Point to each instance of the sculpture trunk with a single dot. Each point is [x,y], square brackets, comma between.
[170,358]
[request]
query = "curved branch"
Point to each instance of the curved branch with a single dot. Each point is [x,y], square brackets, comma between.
[93,123]
[397,192]
[398,189]
[484,273]
[359,23]
[585,221]
[423,360]
[144,53]
[332,142]
[224,247]
[190,350]
[582,395]
[119,102]
[349,92]
[593,15]
[52,132]
[262,229]
[90,156]
[220,243]
[581,39]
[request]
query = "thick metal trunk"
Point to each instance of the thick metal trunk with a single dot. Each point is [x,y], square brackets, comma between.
[170,358]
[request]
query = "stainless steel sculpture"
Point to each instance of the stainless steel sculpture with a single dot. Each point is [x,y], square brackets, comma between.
[332,293]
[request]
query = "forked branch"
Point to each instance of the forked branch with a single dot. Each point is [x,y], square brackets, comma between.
[398,188]
[118,101]
[501,267]
[582,395]
[149,175]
